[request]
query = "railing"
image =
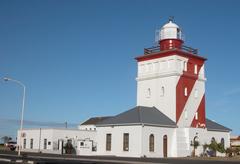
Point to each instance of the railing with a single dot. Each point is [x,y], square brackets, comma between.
[151,50]
[157,49]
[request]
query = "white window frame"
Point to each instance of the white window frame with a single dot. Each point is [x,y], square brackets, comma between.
[195,69]
[185,91]
[196,116]
[185,65]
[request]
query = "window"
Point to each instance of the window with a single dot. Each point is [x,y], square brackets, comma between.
[31,143]
[196,116]
[185,66]
[125,141]
[195,69]
[24,144]
[165,146]
[162,91]
[108,142]
[148,94]
[222,142]
[213,140]
[45,144]
[151,143]
[185,91]
[58,144]
[49,143]
[179,33]
[81,143]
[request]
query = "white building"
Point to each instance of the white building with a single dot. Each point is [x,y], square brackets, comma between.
[170,112]
[235,141]
[52,140]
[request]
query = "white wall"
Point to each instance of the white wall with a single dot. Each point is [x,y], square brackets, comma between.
[54,136]
[235,141]
[135,140]
[35,135]
[206,136]
[155,74]
[87,127]
[158,133]
[85,147]
[138,141]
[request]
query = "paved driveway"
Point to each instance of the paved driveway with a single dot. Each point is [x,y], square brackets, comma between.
[8,156]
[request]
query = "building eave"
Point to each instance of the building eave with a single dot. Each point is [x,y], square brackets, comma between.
[136,124]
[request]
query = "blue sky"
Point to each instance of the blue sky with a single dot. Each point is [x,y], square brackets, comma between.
[76,57]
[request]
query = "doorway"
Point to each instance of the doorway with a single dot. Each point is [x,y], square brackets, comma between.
[165,149]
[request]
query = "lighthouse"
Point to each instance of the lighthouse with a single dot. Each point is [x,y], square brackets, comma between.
[168,119]
[171,78]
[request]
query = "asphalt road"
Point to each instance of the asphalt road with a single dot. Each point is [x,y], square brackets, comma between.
[7,157]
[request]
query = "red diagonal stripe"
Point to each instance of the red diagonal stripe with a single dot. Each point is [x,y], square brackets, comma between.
[201,121]
[188,80]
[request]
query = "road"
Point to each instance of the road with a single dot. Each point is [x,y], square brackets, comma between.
[7,157]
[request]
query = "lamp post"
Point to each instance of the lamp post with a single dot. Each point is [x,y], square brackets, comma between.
[22,112]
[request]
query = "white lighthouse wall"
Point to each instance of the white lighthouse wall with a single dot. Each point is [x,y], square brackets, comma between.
[156,83]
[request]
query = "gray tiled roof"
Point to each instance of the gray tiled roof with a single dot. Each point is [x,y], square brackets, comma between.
[139,115]
[213,126]
[94,120]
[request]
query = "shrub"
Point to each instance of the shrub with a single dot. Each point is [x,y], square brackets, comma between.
[214,147]
[69,148]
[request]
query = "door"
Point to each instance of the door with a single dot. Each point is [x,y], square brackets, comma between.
[165,146]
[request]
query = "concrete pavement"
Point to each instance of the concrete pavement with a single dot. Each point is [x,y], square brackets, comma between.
[51,158]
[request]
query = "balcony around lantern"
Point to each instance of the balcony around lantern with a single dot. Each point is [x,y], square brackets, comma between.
[155,49]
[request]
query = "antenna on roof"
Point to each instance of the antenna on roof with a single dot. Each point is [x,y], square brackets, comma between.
[157,37]
[171,19]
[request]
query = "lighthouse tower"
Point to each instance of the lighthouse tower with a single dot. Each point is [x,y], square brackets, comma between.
[171,78]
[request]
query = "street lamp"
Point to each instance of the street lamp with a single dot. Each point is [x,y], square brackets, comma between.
[23,103]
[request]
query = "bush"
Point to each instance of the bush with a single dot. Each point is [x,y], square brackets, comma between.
[69,148]
[220,148]
[214,147]
[229,152]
